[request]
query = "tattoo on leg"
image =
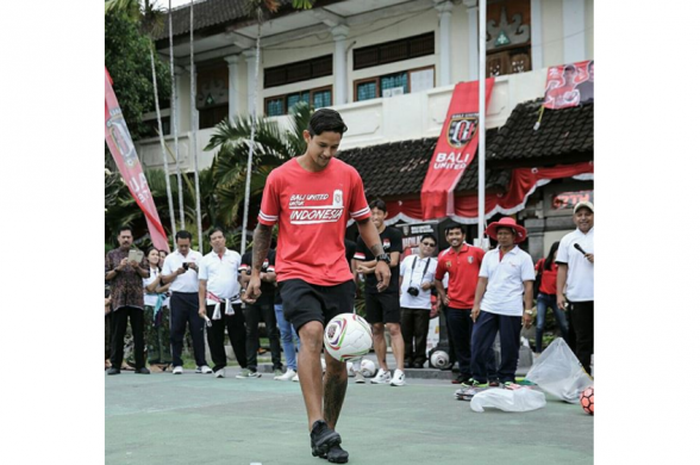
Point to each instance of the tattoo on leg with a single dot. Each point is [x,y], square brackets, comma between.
[333,397]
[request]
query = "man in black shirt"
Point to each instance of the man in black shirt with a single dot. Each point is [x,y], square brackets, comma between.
[263,308]
[383,307]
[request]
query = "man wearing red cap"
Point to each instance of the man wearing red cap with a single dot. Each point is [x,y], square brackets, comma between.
[503,291]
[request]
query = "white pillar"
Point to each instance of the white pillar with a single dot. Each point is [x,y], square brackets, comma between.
[473,45]
[574,21]
[232,86]
[193,112]
[250,61]
[183,104]
[340,64]
[445,15]
[536,34]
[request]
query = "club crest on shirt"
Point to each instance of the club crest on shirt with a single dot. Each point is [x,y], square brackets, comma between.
[386,243]
[448,264]
[470,260]
[338,198]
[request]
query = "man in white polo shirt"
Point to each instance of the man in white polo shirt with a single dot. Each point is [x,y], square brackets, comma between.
[220,301]
[575,280]
[504,289]
[180,268]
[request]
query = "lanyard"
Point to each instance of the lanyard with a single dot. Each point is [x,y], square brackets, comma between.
[425,270]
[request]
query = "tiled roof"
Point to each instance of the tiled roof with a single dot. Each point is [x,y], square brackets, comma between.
[208,13]
[399,168]
[568,131]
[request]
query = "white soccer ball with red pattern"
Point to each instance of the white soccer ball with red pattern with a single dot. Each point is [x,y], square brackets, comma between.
[347,337]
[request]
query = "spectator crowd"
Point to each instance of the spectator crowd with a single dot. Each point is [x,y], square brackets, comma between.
[157,304]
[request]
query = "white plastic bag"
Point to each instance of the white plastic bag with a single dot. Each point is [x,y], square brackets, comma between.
[559,372]
[521,400]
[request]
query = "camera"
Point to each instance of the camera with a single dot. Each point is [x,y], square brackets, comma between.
[185,265]
[413,291]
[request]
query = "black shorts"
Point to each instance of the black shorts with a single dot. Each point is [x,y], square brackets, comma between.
[382,308]
[303,302]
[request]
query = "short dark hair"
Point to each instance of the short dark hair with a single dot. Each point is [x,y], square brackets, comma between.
[452,226]
[326,119]
[215,229]
[124,228]
[378,203]
[428,236]
[183,235]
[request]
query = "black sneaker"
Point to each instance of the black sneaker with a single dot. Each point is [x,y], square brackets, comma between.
[323,438]
[143,371]
[113,371]
[336,454]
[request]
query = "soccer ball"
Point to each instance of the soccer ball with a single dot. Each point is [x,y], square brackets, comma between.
[586,398]
[439,359]
[347,337]
[368,368]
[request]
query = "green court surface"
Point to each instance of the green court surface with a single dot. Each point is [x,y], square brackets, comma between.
[197,419]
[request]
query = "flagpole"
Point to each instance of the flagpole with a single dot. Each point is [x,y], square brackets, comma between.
[194,128]
[482,119]
[161,137]
[174,123]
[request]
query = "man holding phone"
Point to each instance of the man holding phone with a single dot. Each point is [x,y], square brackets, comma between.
[575,281]
[180,268]
[126,274]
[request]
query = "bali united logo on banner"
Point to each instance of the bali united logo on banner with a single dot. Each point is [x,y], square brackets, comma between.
[116,125]
[454,151]
[462,129]
[569,85]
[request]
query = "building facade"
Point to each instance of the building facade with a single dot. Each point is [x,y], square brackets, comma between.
[389,67]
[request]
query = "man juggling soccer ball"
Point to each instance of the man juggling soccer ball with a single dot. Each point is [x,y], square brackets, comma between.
[312,197]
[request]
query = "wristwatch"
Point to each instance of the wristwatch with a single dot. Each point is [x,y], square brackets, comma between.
[384,257]
[529,312]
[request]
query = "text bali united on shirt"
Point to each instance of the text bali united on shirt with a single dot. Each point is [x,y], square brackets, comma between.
[316,208]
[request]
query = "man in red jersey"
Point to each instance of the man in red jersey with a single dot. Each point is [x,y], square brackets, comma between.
[312,197]
[462,262]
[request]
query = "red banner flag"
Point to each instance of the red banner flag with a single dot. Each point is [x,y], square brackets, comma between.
[454,151]
[569,85]
[123,151]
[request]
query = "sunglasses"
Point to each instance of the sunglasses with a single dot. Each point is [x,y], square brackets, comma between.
[429,244]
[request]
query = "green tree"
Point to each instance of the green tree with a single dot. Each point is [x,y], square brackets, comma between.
[271,148]
[127,58]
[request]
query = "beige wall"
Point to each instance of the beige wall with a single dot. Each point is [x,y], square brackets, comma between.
[590,22]
[552,33]
[459,52]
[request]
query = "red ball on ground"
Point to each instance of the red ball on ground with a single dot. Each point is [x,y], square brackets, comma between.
[586,398]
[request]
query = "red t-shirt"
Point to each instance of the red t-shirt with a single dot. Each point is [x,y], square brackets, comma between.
[463,268]
[549,278]
[313,210]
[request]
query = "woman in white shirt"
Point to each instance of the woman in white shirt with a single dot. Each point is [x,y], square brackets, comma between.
[156,327]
